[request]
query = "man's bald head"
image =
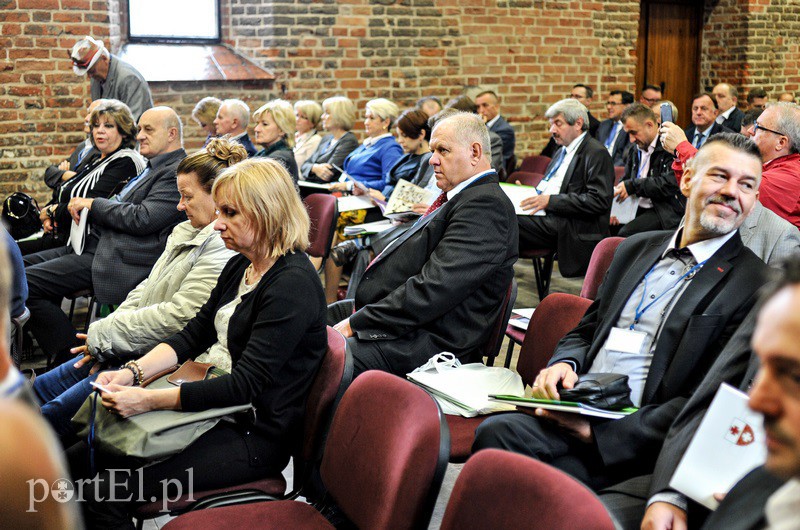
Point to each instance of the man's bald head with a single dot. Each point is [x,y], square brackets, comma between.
[160,132]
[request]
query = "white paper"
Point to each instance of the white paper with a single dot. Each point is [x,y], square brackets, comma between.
[406,195]
[518,193]
[77,233]
[625,211]
[314,185]
[521,318]
[728,444]
[368,228]
[354,202]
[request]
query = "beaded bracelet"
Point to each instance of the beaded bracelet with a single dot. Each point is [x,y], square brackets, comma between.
[136,370]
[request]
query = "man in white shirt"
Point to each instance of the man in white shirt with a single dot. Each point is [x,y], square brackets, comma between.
[729,114]
[569,211]
[233,116]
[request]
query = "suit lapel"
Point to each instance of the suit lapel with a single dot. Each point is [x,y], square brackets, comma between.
[419,225]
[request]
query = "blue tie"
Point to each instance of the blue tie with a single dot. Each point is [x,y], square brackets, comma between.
[554,168]
[698,140]
[612,135]
[129,185]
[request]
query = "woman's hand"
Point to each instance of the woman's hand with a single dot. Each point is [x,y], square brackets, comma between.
[67,174]
[375,194]
[64,165]
[323,171]
[122,377]
[339,186]
[125,400]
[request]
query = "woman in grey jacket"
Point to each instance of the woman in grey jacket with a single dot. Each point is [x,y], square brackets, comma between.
[179,284]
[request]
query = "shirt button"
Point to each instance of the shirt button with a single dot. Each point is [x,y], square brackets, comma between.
[672,273]
[652,296]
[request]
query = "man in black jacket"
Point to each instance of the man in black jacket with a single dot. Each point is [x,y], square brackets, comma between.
[570,209]
[649,178]
[669,303]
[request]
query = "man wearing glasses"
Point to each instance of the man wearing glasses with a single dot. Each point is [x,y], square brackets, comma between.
[611,132]
[777,134]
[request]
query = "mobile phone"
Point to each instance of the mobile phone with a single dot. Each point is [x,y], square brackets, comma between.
[666,113]
[100,387]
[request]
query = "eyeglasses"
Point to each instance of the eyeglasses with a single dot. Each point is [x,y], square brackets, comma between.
[612,103]
[651,101]
[757,126]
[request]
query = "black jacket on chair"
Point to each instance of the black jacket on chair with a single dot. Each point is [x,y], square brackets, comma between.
[327,154]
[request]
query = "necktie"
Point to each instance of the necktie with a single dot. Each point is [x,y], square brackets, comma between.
[440,200]
[554,168]
[698,140]
[129,185]
[612,135]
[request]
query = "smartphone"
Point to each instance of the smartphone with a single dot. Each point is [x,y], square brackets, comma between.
[100,387]
[666,113]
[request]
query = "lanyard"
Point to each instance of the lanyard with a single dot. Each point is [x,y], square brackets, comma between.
[641,310]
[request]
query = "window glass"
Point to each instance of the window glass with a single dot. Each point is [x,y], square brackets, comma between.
[173,19]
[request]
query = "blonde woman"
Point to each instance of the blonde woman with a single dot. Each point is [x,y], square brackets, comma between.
[338,116]
[204,114]
[275,128]
[307,138]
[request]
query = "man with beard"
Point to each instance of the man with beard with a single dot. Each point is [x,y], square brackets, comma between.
[668,305]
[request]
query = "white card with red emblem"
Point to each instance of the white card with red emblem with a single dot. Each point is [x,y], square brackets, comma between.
[728,444]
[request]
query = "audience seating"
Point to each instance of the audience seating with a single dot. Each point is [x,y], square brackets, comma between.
[598,266]
[384,461]
[334,376]
[506,491]
[17,336]
[89,295]
[323,211]
[534,164]
[527,178]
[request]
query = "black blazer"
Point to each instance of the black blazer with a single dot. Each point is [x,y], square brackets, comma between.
[325,154]
[659,185]
[715,129]
[439,286]
[52,175]
[734,121]
[583,205]
[506,133]
[552,147]
[281,152]
[622,147]
[743,507]
[707,314]
[248,145]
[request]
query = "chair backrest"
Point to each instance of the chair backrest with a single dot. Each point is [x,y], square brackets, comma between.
[386,453]
[554,317]
[492,346]
[598,266]
[507,491]
[323,211]
[525,177]
[535,164]
[619,173]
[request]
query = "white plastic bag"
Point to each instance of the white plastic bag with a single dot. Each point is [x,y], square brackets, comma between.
[464,389]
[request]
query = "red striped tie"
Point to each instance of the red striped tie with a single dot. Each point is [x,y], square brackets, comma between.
[440,200]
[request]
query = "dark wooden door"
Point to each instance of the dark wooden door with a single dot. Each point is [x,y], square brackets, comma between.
[668,51]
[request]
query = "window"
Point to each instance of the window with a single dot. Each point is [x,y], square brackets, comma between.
[173,21]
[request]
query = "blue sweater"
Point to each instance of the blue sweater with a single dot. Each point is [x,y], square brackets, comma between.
[19,287]
[371,165]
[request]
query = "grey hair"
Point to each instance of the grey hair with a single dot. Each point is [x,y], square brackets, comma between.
[468,128]
[571,109]
[239,109]
[788,123]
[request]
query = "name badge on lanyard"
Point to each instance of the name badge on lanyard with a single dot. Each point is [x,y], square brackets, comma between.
[626,340]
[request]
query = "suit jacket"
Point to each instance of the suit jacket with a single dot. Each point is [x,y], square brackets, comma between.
[743,507]
[734,121]
[552,147]
[125,83]
[133,233]
[52,175]
[582,205]
[440,285]
[659,186]
[497,146]
[700,323]
[506,133]
[715,129]
[769,236]
[622,147]
[248,145]
[325,154]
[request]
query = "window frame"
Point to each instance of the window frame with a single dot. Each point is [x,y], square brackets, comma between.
[161,39]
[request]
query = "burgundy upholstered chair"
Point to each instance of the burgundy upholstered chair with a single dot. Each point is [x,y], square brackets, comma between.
[334,376]
[384,461]
[619,173]
[598,266]
[527,178]
[323,212]
[506,491]
[534,164]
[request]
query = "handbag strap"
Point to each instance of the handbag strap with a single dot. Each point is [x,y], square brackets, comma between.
[160,374]
[90,438]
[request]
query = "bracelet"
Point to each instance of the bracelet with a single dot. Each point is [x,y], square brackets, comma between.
[136,370]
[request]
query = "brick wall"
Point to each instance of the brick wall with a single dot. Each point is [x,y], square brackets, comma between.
[529,51]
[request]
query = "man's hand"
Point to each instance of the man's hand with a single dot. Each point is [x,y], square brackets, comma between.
[671,135]
[86,356]
[664,516]
[535,203]
[574,424]
[344,328]
[420,208]
[544,387]
[76,204]
[620,192]
[613,221]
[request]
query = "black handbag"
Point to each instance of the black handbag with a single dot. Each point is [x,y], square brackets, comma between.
[605,391]
[21,215]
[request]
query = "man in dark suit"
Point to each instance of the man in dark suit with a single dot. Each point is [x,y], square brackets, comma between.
[439,287]
[570,210]
[489,108]
[84,151]
[649,178]
[611,131]
[727,98]
[232,119]
[126,235]
[668,304]
[763,367]
[704,125]
[584,94]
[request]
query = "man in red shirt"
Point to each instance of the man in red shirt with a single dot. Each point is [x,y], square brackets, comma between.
[777,134]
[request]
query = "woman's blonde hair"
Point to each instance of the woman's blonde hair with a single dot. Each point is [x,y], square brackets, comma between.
[311,109]
[262,190]
[384,109]
[205,112]
[341,110]
[283,114]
